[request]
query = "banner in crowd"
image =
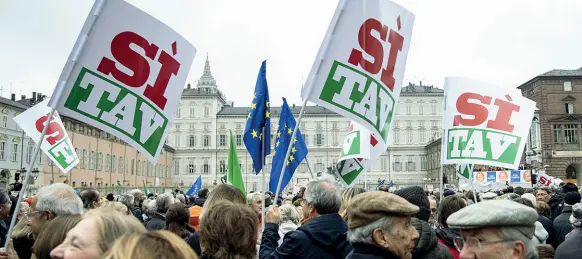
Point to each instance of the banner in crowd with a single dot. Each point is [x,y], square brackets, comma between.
[56,143]
[484,124]
[127,78]
[510,176]
[547,180]
[360,149]
[360,74]
[464,171]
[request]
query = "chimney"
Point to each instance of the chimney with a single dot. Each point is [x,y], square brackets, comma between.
[13,97]
[420,83]
[23,97]
[33,97]
[39,97]
[293,105]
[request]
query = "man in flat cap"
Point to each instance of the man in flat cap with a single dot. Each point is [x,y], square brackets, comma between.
[495,229]
[380,226]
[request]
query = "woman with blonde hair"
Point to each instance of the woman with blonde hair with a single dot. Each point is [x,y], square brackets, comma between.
[150,245]
[347,196]
[53,235]
[115,205]
[95,234]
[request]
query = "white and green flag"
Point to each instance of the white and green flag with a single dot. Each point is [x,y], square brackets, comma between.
[56,143]
[125,76]
[464,171]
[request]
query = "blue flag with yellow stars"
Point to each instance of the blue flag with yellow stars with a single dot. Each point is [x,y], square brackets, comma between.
[259,117]
[298,149]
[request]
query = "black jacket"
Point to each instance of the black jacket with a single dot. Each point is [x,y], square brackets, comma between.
[158,222]
[194,242]
[368,251]
[137,213]
[427,245]
[570,248]
[200,202]
[556,204]
[561,227]
[547,223]
[323,237]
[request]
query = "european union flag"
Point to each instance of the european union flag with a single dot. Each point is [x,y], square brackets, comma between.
[195,187]
[259,146]
[298,149]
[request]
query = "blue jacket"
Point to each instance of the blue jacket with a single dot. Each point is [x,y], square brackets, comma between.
[322,237]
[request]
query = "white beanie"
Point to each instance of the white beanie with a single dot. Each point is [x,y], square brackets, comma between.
[531,198]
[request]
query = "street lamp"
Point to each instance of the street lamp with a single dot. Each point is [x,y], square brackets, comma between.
[35,172]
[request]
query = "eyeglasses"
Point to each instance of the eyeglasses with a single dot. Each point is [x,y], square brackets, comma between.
[32,213]
[474,243]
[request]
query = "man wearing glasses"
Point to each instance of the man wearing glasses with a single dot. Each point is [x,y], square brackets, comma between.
[496,229]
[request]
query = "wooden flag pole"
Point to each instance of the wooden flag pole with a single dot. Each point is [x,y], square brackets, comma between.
[310,80]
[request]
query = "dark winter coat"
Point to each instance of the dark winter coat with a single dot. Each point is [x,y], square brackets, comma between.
[322,237]
[158,222]
[369,251]
[200,202]
[570,248]
[561,227]
[194,242]
[427,245]
[556,204]
[547,223]
[137,212]
[446,237]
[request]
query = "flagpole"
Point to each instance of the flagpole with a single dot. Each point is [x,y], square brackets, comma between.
[366,180]
[263,185]
[308,167]
[472,183]
[310,79]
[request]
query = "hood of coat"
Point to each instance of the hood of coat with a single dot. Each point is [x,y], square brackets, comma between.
[540,234]
[427,240]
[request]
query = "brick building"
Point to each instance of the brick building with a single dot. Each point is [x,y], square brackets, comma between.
[554,141]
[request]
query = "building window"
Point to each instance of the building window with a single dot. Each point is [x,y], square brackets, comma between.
[29,151]
[239,140]
[533,134]
[2,150]
[108,163]
[192,112]
[408,109]
[92,160]
[422,136]
[569,108]
[4,121]
[383,164]
[396,136]
[222,166]
[191,140]
[222,140]
[15,152]
[422,162]
[335,137]
[410,166]
[121,165]
[99,161]
[178,126]
[305,139]
[206,167]
[206,126]
[571,133]
[567,86]
[84,158]
[557,133]
[409,137]
[397,165]
[176,167]
[132,166]
[191,166]
[206,140]
[433,108]
[206,112]
[114,164]
[420,109]
[318,139]
[177,141]
[178,112]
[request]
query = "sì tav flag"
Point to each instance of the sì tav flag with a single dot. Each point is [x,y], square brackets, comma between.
[127,77]
[56,144]
[361,72]
[234,173]
[359,151]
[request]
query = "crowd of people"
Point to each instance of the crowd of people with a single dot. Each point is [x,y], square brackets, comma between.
[321,220]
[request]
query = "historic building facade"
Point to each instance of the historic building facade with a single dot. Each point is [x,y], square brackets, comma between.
[200,135]
[554,141]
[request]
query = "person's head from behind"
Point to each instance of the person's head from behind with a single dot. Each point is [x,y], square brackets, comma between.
[289,214]
[138,196]
[90,198]
[203,194]
[177,219]
[115,205]
[229,230]
[255,201]
[322,197]
[223,192]
[110,197]
[181,198]
[543,209]
[384,188]
[127,200]
[54,200]
[163,202]
[448,206]
[347,195]
[95,234]
[519,190]
[53,235]
[150,245]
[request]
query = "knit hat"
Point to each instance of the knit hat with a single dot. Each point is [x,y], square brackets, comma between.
[448,193]
[530,197]
[569,187]
[576,217]
[572,198]
[416,196]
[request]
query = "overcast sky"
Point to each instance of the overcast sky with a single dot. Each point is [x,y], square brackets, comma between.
[503,42]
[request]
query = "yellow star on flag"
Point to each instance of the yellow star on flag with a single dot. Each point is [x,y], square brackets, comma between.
[294,140]
[289,131]
[278,134]
[267,114]
[267,103]
[249,116]
[293,150]
[277,144]
[291,158]
[254,133]
[287,162]
[253,105]
[254,95]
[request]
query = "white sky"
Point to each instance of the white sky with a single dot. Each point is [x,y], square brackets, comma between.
[503,42]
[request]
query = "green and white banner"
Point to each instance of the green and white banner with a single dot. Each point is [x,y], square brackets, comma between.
[56,143]
[359,151]
[484,124]
[128,78]
[362,67]
[464,171]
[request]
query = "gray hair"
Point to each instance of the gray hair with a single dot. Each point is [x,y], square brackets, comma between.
[60,199]
[324,194]
[363,234]
[151,208]
[127,200]
[509,233]
[137,194]
[164,201]
[289,213]
[181,198]
[251,197]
